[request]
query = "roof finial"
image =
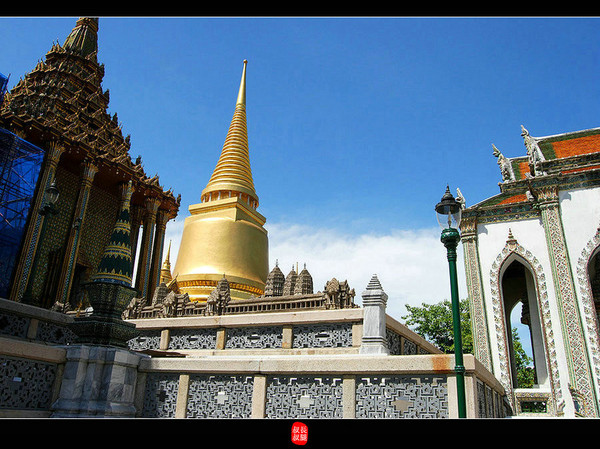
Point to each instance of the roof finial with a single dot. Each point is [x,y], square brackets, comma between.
[84,37]
[241,99]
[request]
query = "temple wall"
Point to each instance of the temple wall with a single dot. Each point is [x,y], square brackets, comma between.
[99,219]
[42,364]
[352,386]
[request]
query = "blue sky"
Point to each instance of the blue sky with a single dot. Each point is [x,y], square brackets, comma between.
[355,125]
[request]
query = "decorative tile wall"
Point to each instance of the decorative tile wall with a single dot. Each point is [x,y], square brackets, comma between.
[326,335]
[26,384]
[220,396]
[160,395]
[193,339]
[254,337]
[401,397]
[304,397]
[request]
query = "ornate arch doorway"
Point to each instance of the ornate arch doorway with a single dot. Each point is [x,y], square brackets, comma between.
[519,294]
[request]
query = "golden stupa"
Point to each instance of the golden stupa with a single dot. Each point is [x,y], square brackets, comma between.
[224,236]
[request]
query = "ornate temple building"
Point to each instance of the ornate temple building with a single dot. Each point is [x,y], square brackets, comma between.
[218,335]
[56,118]
[532,255]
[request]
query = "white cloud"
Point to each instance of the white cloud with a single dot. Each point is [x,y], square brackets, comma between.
[410,264]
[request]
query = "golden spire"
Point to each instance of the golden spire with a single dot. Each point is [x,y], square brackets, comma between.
[165,271]
[233,175]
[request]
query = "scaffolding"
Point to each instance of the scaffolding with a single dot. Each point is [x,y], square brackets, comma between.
[20,165]
[3,87]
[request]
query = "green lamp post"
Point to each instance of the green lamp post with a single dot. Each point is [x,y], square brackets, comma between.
[448,214]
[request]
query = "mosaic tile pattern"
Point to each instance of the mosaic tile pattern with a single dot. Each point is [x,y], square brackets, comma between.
[56,227]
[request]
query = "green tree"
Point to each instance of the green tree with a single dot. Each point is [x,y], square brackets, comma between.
[526,377]
[434,323]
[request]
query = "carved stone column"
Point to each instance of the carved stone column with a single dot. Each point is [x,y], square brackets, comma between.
[32,236]
[145,258]
[481,340]
[89,170]
[567,304]
[162,217]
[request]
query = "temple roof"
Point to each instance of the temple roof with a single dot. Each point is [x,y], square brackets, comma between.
[556,155]
[62,100]
[232,172]
[84,37]
[570,144]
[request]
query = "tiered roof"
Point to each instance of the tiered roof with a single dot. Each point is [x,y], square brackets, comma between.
[570,159]
[62,100]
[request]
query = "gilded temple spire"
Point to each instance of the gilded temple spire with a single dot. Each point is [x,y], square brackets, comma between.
[241,99]
[225,233]
[232,176]
[165,271]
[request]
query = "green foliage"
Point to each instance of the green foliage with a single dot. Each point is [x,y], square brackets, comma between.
[434,323]
[526,377]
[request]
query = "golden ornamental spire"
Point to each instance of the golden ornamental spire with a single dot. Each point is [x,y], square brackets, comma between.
[225,233]
[165,272]
[232,176]
[241,99]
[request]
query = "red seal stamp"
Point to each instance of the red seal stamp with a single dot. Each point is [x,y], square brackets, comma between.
[299,433]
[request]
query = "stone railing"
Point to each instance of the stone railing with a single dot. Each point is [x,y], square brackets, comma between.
[266,365]
[301,332]
[31,358]
[314,386]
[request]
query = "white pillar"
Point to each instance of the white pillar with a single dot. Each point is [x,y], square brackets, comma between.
[374,340]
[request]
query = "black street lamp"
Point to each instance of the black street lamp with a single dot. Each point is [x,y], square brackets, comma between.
[448,214]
